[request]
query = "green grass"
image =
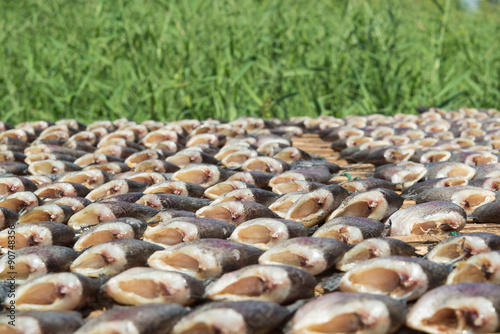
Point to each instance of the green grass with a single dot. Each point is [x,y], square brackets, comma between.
[166,59]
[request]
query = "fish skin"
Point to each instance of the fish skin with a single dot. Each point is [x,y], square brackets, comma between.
[61,291]
[374,248]
[259,179]
[351,230]
[235,212]
[164,215]
[488,183]
[54,322]
[367,313]
[294,186]
[115,256]
[276,283]
[74,202]
[367,184]
[379,204]
[389,154]
[257,195]
[324,201]
[96,158]
[13,167]
[448,169]
[471,158]
[440,182]
[47,212]
[191,156]
[464,246]
[121,228]
[128,197]
[206,175]
[489,170]
[314,255]
[170,201]
[487,213]
[115,187]
[96,213]
[148,178]
[185,229]
[447,217]
[410,277]
[234,317]
[467,307]
[211,257]
[7,218]
[133,160]
[265,233]
[430,155]
[306,164]
[39,234]
[291,154]
[458,195]
[112,168]
[62,189]
[480,268]
[141,319]
[32,262]
[153,286]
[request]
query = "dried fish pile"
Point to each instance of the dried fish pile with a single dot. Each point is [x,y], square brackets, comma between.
[213,227]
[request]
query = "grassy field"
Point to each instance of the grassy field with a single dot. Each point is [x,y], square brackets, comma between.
[167,59]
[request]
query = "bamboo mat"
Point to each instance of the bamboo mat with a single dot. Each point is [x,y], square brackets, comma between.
[312,144]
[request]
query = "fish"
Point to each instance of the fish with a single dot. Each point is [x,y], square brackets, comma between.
[121,228]
[88,178]
[487,213]
[54,322]
[152,153]
[55,292]
[140,319]
[480,268]
[236,317]
[221,188]
[156,165]
[388,155]
[112,257]
[467,197]
[265,165]
[97,159]
[37,234]
[457,308]
[74,202]
[167,214]
[265,233]
[398,277]
[235,212]
[79,145]
[185,229]
[463,246]
[351,230]
[430,155]
[367,184]
[180,188]
[294,186]
[488,183]
[148,178]
[437,217]
[313,207]
[373,248]
[169,201]
[113,167]
[191,156]
[348,312]
[259,179]
[449,169]
[115,187]
[47,212]
[257,195]
[14,167]
[205,175]
[31,262]
[376,204]
[489,170]
[291,154]
[405,174]
[440,182]
[96,213]
[281,284]
[314,255]
[471,158]
[7,155]
[119,151]
[142,285]
[62,189]
[205,258]
[154,137]
[283,203]
[52,167]
[237,158]
[20,201]
[318,174]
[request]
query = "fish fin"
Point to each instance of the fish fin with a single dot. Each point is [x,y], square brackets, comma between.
[331,283]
